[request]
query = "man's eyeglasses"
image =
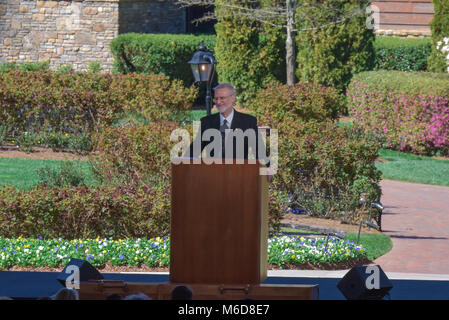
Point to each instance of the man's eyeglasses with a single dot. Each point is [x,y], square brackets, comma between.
[221,98]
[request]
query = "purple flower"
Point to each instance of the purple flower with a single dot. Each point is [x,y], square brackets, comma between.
[121,257]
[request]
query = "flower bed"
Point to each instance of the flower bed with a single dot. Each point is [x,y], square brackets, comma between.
[411,113]
[287,250]
[155,252]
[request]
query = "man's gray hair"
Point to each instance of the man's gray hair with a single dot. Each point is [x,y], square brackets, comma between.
[228,86]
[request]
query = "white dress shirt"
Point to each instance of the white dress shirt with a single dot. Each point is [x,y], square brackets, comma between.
[228,119]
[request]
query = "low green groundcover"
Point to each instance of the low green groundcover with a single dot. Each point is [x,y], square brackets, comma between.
[155,252]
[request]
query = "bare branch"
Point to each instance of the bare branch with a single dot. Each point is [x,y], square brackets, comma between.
[272,14]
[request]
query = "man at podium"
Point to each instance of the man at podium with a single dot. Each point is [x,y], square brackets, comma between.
[229,134]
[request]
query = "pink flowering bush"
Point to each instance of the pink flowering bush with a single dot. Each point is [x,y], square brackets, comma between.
[407,120]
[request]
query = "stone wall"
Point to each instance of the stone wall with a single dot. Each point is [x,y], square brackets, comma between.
[78,32]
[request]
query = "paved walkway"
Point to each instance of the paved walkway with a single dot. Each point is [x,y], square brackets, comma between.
[416,217]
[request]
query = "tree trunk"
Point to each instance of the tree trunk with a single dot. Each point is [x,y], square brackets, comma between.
[290,42]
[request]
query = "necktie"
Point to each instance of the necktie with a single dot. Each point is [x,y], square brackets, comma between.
[223,128]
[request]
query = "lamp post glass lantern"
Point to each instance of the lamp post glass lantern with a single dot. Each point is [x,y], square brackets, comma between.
[203,69]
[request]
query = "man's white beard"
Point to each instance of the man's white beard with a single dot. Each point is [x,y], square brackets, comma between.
[225,109]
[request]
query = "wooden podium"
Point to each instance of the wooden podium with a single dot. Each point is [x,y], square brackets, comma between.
[219,224]
[218,239]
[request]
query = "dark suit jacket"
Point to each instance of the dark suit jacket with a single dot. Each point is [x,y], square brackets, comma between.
[239,121]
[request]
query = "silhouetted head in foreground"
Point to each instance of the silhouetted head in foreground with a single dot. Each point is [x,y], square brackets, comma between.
[66,294]
[137,296]
[181,293]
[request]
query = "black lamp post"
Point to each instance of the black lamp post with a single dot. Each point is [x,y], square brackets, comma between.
[203,68]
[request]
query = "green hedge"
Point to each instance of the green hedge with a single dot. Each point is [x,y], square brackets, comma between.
[302,101]
[134,154]
[425,83]
[325,169]
[330,55]
[83,212]
[27,66]
[250,53]
[166,54]
[440,30]
[83,102]
[395,53]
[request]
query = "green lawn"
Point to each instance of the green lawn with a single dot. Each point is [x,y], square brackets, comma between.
[408,167]
[375,245]
[22,173]
[198,114]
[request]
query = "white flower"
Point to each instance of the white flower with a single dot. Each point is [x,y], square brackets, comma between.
[40,248]
[439,43]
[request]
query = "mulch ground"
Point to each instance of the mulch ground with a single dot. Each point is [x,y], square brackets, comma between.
[39,153]
[328,223]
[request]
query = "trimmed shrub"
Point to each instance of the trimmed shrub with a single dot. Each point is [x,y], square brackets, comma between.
[8,66]
[395,53]
[166,54]
[276,207]
[65,68]
[83,212]
[237,49]
[440,29]
[302,101]
[27,66]
[273,53]
[411,82]
[325,169]
[94,67]
[410,111]
[26,142]
[250,53]
[84,102]
[134,154]
[68,174]
[331,54]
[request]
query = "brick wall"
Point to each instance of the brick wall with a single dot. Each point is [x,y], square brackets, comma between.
[404,17]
